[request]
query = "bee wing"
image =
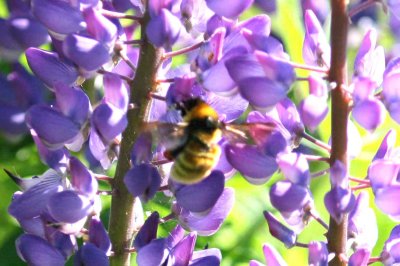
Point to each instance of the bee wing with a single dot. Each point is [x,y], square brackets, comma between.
[170,135]
[249,133]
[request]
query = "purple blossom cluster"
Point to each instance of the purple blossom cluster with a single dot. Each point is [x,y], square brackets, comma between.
[82,99]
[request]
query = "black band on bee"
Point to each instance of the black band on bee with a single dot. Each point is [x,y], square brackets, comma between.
[187,105]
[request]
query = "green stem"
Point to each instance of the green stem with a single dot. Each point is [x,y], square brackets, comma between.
[122,216]
[337,233]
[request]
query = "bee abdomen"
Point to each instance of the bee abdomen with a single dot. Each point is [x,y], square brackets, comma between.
[192,166]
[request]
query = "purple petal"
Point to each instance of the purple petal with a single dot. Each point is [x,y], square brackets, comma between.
[182,252]
[360,257]
[267,44]
[36,251]
[254,165]
[143,180]
[288,197]
[241,67]
[279,231]
[73,102]
[362,223]
[206,257]
[28,32]
[203,195]
[175,236]
[370,60]
[155,253]
[317,86]
[370,114]
[209,223]
[294,167]
[56,159]
[262,92]
[386,146]
[321,9]
[116,91]
[87,53]
[317,253]
[82,179]
[316,50]
[233,10]
[65,243]
[364,88]
[225,108]
[338,202]
[99,27]
[68,206]
[313,111]
[33,201]
[90,255]
[51,126]
[164,29]
[382,173]
[98,235]
[109,121]
[49,13]
[217,78]
[48,67]
[147,232]
[272,256]
[276,68]
[387,200]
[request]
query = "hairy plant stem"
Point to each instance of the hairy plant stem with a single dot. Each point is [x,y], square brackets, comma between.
[337,233]
[122,216]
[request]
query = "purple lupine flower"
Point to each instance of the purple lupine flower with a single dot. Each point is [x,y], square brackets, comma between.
[272,257]
[27,31]
[314,108]
[201,196]
[56,159]
[370,59]
[339,200]
[386,148]
[163,29]
[147,232]
[143,181]
[362,223]
[320,9]
[390,252]
[291,200]
[50,68]
[107,122]
[368,111]
[233,10]
[206,223]
[280,231]
[390,93]
[36,251]
[100,28]
[85,52]
[316,49]
[294,167]
[178,249]
[48,12]
[62,124]
[317,253]
[360,257]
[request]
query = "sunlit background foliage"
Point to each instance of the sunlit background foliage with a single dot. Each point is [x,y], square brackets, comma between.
[243,233]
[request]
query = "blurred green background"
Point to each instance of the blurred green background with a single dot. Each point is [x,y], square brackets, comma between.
[245,230]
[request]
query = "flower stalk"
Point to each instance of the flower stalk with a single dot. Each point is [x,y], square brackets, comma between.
[337,233]
[122,217]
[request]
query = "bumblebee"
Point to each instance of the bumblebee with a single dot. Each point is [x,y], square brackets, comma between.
[193,144]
